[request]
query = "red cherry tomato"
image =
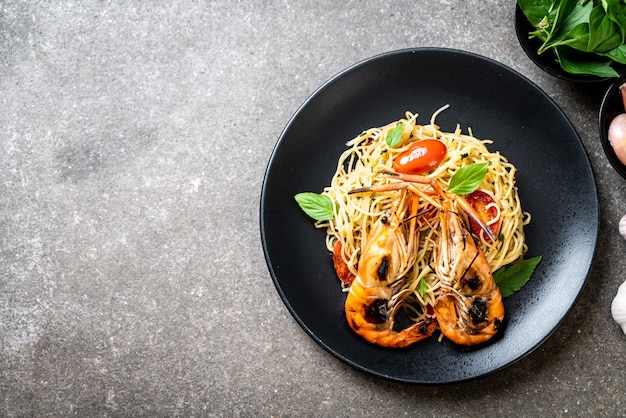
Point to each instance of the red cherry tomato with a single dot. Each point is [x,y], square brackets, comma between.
[341,268]
[484,205]
[420,157]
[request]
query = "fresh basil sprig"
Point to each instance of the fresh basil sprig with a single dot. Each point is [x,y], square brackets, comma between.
[395,136]
[587,36]
[317,206]
[513,277]
[422,287]
[468,178]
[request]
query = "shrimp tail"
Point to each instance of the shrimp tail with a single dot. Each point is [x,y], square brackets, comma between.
[368,315]
[477,323]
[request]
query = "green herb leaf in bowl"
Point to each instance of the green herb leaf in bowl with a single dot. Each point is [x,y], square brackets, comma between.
[588,37]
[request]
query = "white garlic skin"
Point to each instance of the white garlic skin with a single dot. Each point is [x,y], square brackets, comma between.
[618,307]
[622,226]
[617,136]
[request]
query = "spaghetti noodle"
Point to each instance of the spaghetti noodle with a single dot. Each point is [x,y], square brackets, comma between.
[369,154]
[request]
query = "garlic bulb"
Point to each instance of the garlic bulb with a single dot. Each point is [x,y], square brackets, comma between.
[618,307]
[617,136]
[622,226]
[617,130]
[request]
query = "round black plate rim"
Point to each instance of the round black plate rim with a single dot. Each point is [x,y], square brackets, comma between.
[264,232]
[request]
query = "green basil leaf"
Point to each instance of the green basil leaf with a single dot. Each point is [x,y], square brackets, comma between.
[535,10]
[604,34]
[574,29]
[394,137]
[513,277]
[616,11]
[573,66]
[610,43]
[579,14]
[617,54]
[318,206]
[468,178]
[558,16]
[422,287]
[578,38]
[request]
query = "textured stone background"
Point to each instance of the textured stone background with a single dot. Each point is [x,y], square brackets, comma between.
[134,137]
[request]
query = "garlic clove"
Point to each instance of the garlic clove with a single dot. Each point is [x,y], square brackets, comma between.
[622,226]
[617,130]
[617,136]
[618,307]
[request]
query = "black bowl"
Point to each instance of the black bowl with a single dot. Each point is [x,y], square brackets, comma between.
[548,60]
[612,105]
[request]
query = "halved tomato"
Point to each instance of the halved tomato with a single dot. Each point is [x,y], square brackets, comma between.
[420,157]
[486,207]
[341,268]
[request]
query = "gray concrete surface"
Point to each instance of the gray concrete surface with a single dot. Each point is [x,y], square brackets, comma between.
[134,138]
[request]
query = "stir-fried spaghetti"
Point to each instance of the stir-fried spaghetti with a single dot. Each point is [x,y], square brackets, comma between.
[361,165]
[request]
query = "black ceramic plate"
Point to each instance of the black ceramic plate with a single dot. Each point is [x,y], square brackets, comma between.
[612,105]
[555,182]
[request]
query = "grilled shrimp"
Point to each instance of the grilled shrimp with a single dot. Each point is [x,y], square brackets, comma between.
[470,309]
[376,292]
